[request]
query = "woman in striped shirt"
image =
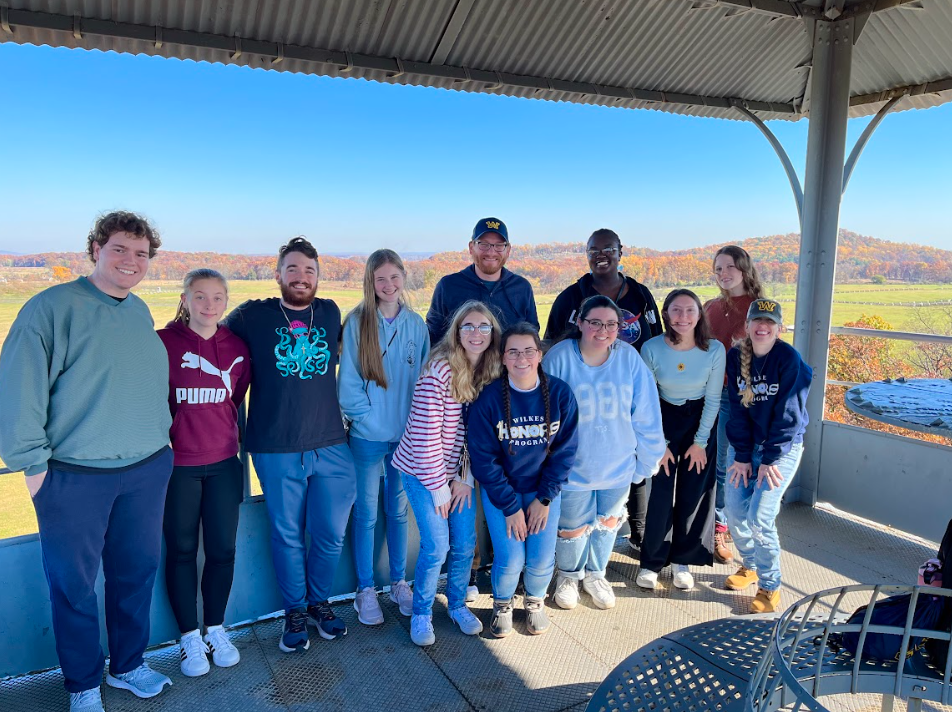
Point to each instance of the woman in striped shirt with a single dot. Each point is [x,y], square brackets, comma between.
[436,475]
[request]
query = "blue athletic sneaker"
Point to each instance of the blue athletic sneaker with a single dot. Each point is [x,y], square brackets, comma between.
[295,631]
[328,625]
[142,682]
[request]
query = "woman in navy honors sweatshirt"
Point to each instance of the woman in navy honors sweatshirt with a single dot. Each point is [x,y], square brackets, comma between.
[522,437]
[767,384]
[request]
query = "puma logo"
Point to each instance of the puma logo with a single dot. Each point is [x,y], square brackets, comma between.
[190,360]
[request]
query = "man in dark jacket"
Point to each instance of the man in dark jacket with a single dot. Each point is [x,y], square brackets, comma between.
[486,280]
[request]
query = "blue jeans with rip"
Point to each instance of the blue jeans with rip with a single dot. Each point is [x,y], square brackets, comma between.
[309,491]
[535,555]
[720,516]
[589,552]
[371,460]
[752,516]
[451,540]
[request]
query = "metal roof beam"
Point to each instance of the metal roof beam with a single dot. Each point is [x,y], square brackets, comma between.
[451,32]
[874,6]
[936,87]
[777,8]
[465,78]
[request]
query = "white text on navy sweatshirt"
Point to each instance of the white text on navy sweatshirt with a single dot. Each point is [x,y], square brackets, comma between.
[778,416]
[528,469]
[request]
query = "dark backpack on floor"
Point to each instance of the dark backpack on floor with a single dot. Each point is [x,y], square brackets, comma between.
[892,611]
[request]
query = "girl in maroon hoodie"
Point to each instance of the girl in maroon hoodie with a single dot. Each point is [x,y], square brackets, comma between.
[209,372]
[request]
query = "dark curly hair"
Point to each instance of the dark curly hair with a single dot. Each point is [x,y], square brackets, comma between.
[121,221]
[299,244]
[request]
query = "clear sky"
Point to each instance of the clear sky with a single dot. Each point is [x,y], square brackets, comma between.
[231,159]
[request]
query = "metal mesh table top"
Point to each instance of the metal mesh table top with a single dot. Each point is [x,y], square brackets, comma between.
[921,404]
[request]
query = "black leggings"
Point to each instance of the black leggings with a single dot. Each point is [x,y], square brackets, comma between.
[637,511]
[210,495]
[680,524]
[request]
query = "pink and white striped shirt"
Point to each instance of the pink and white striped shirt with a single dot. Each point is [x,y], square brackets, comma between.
[432,443]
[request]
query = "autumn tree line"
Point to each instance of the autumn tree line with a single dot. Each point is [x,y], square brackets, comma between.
[550,267]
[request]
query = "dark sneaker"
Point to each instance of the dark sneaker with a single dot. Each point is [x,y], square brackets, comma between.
[295,631]
[328,625]
[501,623]
[536,619]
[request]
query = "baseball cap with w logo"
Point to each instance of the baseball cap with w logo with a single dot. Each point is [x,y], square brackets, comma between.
[765,309]
[490,225]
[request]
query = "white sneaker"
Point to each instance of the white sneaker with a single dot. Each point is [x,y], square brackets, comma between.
[86,701]
[224,653]
[467,622]
[682,577]
[647,579]
[142,682]
[368,607]
[402,595]
[566,592]
[194,654]
[600,590]
[421,630]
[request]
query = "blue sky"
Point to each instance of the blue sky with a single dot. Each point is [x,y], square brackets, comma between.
[237,160]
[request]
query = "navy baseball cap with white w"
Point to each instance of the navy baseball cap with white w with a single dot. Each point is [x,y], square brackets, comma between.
[490,225]
[765,309]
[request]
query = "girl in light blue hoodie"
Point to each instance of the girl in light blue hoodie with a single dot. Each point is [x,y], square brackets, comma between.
[620,442]
[385,344]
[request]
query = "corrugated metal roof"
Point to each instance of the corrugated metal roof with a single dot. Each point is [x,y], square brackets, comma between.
[684,56]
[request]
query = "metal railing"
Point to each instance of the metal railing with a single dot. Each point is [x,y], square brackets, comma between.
[881,334]
[801,663]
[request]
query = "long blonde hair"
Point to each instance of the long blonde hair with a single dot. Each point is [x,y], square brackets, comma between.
[468,381]
[181,314]
[369,355]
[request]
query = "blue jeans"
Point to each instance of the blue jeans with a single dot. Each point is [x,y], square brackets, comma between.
[720,516]
[312,491]
[752,516]
[451,540]
[371,460]
[536,555]
[589,552]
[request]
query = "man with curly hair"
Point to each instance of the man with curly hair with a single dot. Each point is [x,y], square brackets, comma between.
[85,384]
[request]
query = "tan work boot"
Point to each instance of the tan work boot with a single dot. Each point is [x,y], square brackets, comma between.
[741,579]
[722,549]
[765,601]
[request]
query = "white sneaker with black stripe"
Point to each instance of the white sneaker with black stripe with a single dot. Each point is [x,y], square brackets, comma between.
[224,653]
[194,654]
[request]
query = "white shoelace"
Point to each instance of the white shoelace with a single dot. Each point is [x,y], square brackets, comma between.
[193,645]
[219,641]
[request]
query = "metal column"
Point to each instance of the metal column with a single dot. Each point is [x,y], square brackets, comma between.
[823,186]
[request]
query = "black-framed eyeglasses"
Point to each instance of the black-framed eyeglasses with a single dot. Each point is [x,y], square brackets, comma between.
[487,246]
[484,329]
[607,251]
[515,354]
[609,326]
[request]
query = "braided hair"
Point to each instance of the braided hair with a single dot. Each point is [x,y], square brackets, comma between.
[746,356]
[524,328]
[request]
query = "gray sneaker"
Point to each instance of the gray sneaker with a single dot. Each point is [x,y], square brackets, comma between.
[536,619]
[501,623]
[142,682]
[86,701]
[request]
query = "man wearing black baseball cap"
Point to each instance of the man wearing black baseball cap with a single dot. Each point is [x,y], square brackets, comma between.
[486,280]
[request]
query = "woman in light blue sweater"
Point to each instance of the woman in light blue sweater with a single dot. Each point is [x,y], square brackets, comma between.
[620,443]
[385,346]
[689,368]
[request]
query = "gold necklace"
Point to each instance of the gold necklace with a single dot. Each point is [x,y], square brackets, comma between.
[290,328]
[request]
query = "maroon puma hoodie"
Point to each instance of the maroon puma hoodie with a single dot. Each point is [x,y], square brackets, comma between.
[208,379]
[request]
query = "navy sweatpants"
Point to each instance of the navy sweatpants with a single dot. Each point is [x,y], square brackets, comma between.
[115,518]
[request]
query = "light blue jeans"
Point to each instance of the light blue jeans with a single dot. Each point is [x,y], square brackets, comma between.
[371,460]
[589,553]
[312,491]
[752,517]
[451,540]
[535,555]
[720,516]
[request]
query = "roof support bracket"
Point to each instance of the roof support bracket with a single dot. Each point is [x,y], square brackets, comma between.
[237,53]
[400,72]
[280,56]
[158,37]
[5,20]
[77,27]
[349,67]
[865,136]
[778,148]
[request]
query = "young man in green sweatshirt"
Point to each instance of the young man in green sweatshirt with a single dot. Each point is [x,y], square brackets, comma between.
[85,415]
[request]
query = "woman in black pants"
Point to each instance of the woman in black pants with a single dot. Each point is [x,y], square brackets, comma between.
[209,372]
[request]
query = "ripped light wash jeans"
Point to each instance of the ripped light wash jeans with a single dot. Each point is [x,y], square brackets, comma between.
[590,552]
[752,516]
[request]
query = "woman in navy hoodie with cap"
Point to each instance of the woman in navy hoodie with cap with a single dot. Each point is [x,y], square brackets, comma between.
[209,373]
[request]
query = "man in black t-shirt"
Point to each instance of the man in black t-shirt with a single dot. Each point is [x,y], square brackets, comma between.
[296,438]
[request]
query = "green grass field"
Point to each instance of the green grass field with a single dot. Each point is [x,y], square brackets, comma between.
[16,511]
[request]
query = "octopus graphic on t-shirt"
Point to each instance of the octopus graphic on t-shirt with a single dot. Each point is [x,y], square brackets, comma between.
[300,353]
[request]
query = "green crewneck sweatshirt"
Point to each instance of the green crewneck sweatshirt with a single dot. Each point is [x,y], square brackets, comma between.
[84,380]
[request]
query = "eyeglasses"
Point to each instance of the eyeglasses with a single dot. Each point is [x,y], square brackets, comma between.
[609,326]
[487,246]
[484,329]
[516,354]
[607,251]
